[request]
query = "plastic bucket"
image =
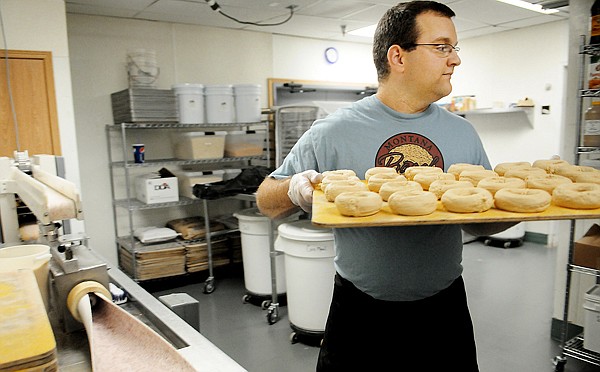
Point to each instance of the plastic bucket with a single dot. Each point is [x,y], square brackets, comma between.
[247,103]
[142,68]
[190,101]
[28,256]
[309,270]
[219,104]
[591,339]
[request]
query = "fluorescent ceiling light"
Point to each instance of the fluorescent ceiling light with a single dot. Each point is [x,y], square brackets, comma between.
[529,6]
[368,31]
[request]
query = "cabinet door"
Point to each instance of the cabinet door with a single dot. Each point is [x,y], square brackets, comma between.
[32,86]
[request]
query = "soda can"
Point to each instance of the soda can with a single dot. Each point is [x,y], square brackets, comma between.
[138,152]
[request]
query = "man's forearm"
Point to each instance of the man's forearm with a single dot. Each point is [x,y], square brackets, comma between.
[272,199]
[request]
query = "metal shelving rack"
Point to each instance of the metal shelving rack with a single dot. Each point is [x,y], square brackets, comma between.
[574,347]
[132,205]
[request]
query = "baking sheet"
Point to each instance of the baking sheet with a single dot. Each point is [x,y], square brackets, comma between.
[325,214]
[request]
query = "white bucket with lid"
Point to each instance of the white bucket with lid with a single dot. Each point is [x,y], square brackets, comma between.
[256,258]
[219,104]
[309,271]
[190,101]
[247,103]
[591,339]
[28,256]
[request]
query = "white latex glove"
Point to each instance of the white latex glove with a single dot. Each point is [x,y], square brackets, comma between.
[301,188]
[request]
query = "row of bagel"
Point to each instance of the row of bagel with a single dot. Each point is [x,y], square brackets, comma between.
[521,187]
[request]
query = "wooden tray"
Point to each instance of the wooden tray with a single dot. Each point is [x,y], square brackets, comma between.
[325,214]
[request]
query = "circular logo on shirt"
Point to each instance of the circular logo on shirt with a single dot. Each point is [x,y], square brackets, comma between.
[405,150]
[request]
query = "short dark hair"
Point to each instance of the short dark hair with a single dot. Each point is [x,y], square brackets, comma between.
[398,26]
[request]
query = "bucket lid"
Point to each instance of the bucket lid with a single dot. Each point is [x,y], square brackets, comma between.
[250,214]
[304,230]
[228,89]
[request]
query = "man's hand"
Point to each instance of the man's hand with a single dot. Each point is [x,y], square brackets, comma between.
[301,188]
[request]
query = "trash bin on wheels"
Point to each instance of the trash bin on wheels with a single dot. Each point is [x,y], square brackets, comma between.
[256,259]
[309,273]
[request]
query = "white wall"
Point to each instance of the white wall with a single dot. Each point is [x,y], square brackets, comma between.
[41,25]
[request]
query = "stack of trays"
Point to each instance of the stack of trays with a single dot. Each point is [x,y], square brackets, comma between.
[152,260]
[197,255]
[144,105]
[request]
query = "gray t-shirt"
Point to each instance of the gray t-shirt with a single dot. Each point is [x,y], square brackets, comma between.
[391,263]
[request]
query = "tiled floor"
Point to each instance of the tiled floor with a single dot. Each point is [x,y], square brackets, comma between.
[510,295]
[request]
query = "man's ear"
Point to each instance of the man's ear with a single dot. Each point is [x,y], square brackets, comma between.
[395,56]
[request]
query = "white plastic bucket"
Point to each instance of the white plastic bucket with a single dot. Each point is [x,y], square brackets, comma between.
[219,104]
[190,101]
[591,338]
[28,256]
[142,68]
[309,272]
[247,103]
[256,257]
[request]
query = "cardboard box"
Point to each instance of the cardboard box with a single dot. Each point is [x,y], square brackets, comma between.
[587,249]
[157,188]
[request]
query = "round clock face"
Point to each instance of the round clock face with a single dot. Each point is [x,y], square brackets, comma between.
[331,55]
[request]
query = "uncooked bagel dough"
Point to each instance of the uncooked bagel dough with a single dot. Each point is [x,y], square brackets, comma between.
[413,202]
[547,182]
[457,168]
[493,184]
[426,178]
[375,181]
[358,203]
[334,189]
[577,195]
[389,188]
[411,172]
[376,170]
[474,176]
[439,187]
[522,200]
[467,200]
[503,167]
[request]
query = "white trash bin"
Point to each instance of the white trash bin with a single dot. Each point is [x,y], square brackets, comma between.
[254,228]
[309,272]
[591,331]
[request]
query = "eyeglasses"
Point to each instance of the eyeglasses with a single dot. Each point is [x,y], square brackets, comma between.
[443,49]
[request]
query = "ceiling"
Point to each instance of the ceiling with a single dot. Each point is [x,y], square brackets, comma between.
[321,19]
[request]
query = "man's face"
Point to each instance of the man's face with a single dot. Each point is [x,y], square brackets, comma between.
[428,70]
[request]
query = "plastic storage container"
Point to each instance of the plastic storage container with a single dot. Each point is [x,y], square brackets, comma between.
[28,256]
[309,272]
[199,145]
[219,104]
[244,143]
[254,228]
[591,338]
[247,103]
[187,180]
[190,101]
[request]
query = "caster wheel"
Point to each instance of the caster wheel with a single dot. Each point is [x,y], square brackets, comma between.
[209,288]
[294,338]
[265,304]
[246,298]
[487,241]
[559,363]
[507,245]
[272,317]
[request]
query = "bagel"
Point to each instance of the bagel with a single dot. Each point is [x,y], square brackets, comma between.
[439,187]
[326,180]
[548,165]
[522,200]
[503,167]
[588,177]
[413,202]
[493,184]
[335,188]
[391,187]
[411,172]
[375,170]
[457,168]
[474,176]
[523,173]
[375,181]
[547,182]
[340,172]
[572,171]
[358,203]
[577,195]
[467,200]
[426,178]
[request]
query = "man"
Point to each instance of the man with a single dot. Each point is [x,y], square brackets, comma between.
[399,302]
